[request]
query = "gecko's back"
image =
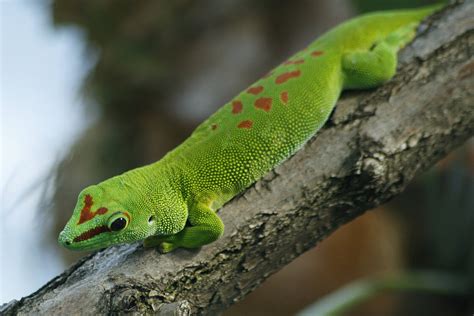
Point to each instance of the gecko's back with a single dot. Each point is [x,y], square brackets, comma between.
[270,120]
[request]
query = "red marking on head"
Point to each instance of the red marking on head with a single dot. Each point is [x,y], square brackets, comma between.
[255,90]
[264,104]
[91,233]
[317,53]
[245,124]
[86,213]
[214,126]
[284,77]
[237,107]
[284,97]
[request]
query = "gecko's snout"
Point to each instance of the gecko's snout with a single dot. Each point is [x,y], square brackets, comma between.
[64,239]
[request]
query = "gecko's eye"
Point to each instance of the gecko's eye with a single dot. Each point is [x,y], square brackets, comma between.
[117,222]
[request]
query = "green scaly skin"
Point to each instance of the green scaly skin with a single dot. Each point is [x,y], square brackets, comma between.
[172,203]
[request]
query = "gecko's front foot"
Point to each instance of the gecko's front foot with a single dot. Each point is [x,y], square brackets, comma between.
[160,243]
[207,228]
[166,247]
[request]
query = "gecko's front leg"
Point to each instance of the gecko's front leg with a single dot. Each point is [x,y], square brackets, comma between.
[205,228]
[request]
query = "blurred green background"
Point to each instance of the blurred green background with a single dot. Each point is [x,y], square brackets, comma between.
[161,67]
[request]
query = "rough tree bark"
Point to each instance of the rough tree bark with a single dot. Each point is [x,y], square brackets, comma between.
[374,144]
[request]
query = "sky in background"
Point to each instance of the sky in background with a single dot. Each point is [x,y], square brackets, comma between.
[41,72]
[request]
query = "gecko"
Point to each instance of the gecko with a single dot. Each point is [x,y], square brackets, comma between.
[173,202]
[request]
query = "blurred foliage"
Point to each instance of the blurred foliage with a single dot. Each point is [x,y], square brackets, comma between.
[437,211]
[374,5]
[347,297]
[447,207]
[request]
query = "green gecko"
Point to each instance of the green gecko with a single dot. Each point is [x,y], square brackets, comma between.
[172,203]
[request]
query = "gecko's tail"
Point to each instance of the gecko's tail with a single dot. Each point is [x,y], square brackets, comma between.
[417,14]
[428,10]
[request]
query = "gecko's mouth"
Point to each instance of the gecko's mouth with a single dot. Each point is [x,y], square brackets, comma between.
[91,233]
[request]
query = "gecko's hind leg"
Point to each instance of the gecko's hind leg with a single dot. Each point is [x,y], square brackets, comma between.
[371,68]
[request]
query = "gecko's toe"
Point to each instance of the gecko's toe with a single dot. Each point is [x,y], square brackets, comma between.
[166,247]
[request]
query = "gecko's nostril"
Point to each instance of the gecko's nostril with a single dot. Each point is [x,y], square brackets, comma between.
[64,239]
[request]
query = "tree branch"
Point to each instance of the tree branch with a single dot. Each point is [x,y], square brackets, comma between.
[374,144]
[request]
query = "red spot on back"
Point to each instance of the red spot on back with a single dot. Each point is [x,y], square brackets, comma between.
[264,104]
[237,107]
[317,53]
[255,90]
[284,77]
[214,126]
[86,213]
[284,97]
[245,124]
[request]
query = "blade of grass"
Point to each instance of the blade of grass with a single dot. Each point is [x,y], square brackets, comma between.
[359,291]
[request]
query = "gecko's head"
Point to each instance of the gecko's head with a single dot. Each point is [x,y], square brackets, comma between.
[101,219]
